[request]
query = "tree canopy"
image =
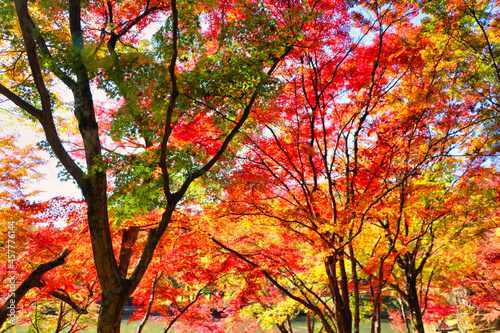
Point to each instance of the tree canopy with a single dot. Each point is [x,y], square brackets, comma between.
[245,161]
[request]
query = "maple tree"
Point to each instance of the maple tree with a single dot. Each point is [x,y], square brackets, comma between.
[181,99]
[464,35]
[464,289]
[327,145]
[35,249]
[350,153]
[466,32]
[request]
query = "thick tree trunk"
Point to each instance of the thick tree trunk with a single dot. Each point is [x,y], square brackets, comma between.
[111,311]
[414,305]
[340,292]
[346,306]
[115,291]
[114,288]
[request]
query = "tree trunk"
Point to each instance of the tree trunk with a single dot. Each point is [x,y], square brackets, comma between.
[339,288]
[346,306]
[114,288]
[414,305]
[310,322]
[111,311]
[376,316]
[355,282]
[403,311]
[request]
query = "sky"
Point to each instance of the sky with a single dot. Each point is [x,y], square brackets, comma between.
[49,185]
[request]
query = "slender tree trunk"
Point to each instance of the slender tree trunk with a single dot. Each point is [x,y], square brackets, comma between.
[376,315]
[310,322]
[403,311]
[150,303]
[60,317]
[378,297]
[355,283]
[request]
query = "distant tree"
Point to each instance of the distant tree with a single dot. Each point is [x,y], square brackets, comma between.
[34,249]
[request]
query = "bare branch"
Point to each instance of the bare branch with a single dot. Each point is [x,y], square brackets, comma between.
[63,296]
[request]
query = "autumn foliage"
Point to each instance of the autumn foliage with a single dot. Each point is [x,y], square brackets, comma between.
[246,163]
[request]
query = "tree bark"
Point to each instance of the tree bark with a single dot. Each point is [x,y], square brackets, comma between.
[111,311]
[355,282]
[129,237]
[339,289]
[413,303]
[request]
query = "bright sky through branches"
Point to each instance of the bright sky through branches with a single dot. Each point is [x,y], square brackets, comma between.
[49,185]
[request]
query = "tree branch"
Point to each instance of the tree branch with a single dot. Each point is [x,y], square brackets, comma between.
[171,103]
[45,115]
[32,281]
[44,50]
[129,238]
[181,312]
[150,303]
[37,113]
[63,296]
